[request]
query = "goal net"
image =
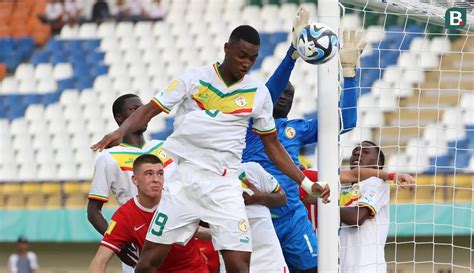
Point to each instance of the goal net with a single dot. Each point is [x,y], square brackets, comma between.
[417,101]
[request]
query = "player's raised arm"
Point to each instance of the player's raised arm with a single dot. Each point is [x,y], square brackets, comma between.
[137,120]
[358,174]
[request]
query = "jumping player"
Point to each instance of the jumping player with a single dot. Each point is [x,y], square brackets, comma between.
[215,105]
[130,223]
[113,172]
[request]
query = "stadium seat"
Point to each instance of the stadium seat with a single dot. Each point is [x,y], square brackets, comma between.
[440,45]
[53,194]
[47,85]
[142,29]
[9,85]
[88,30]
[8,172]
[399,196]
[124,29]
[76,194]
[34,197]
[38,127]
[62,71]
[27,171]
[13,196]
[106,29]
[429,60]
[69,98]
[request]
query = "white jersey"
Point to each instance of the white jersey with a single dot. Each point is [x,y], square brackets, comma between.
[212,117]
[114,168]
[267,255]
[362,248]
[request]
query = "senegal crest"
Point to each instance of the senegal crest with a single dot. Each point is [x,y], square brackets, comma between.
[290,132]
[240,101]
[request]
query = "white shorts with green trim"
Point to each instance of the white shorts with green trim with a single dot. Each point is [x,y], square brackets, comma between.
[202,195]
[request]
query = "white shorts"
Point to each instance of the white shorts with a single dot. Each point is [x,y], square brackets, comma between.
[197,195]
[267,255]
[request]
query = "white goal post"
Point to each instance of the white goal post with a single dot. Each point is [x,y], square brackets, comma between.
[420,108]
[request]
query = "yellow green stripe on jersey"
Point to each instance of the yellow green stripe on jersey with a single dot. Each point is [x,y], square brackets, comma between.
[125,159]
[210,98]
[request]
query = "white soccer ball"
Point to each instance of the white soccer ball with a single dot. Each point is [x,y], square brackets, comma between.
[317,43]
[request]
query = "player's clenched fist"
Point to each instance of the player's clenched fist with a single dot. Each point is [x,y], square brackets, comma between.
[405,181]
[109,140]
[320,189]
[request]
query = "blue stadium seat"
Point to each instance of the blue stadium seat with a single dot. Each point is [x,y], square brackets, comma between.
[72,45]
[370,61]
[66,84]
[25,47]
[388,57]
[59,57]
[98,70]
[16,112]
[90,45]
[54,45]
[12,60]
[50,98]
[7,44]
[31,99]
[80,69]
[459,144]
[40,57]
[95,57]
[84,82]
[278,37]
[11,101]
[461,160]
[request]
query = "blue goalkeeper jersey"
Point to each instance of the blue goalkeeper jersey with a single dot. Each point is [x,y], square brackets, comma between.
[293,134]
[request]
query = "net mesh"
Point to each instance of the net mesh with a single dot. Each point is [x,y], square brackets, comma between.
[417,102]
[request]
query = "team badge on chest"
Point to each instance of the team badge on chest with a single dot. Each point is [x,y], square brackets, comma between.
[240,101]
[290,132]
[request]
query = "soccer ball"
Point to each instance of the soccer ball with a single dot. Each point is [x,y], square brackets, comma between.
[317,43]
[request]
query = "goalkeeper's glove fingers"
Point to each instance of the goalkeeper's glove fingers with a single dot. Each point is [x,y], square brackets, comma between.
[301,20]
[352,46]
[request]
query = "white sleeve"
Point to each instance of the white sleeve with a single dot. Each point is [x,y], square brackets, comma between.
[102,179]
[263,116]
[12,264]
[261,178]
[176,91]
[374,194]
[33,260]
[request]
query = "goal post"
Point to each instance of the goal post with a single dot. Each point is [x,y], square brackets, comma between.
[328,161]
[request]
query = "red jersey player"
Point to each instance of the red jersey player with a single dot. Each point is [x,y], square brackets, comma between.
[130,223]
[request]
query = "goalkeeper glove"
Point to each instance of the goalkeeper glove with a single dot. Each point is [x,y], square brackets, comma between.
[301,20]
[352,46]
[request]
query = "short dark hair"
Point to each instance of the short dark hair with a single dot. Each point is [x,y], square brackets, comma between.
[246,33]
[143,159]
[381,157]
[120,101]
